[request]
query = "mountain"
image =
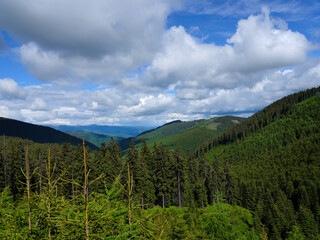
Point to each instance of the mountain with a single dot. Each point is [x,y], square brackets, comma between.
[115,131]
[93,138]
[37,133]
[185,135]
[270,164]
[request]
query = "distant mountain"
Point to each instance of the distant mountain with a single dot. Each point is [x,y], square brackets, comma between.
[115,131]
[93,138]
[37,133]
[185,135]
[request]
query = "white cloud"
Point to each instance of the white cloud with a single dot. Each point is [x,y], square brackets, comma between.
[39,104]
[259,44]
[149,105]
[192,93]
[9,89]
[100,40]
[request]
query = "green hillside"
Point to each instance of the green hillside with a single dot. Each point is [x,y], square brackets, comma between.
[184,135]
[36,133]
[93,138]
[273,165]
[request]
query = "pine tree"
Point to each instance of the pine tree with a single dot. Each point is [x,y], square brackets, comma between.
[163,170]
[16,162]
[4,163]
[132,157]
[203,181]
[180,175]
[144,185]
[190,187]
[113,162]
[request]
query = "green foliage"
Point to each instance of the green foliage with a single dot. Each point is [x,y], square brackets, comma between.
[295,234]
[223,221]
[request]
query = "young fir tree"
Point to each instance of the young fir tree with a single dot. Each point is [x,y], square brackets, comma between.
[3,165]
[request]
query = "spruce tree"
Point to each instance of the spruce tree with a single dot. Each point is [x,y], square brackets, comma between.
[180,175]
[16,156]
[113,162]
[144,185]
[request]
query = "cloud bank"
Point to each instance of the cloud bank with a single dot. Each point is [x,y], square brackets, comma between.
[140,72]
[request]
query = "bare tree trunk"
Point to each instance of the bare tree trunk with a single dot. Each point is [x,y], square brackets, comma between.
[40,171]
[129,194]
[28,187]
[179,193]
[49,192]
[142,202]
[85,190]
[72,184]
[163,201]
[5,161]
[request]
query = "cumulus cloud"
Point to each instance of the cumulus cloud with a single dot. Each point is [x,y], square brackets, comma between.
[259,44]
[9,89]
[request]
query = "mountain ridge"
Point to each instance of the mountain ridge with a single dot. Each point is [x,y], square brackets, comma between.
[186,135]
[37,133]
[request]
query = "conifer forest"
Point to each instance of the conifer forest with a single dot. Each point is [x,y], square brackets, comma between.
[260,179]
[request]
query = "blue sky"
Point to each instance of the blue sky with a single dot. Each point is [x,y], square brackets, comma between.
[148,62]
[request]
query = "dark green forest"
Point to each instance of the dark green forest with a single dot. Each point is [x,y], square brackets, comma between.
[258,180]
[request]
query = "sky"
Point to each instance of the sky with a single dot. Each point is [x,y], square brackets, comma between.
[149,62]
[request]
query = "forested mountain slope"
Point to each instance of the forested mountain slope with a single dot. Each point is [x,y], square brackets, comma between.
[37,133]
[259,120]
[268,164]
[273,163]
[184,135]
